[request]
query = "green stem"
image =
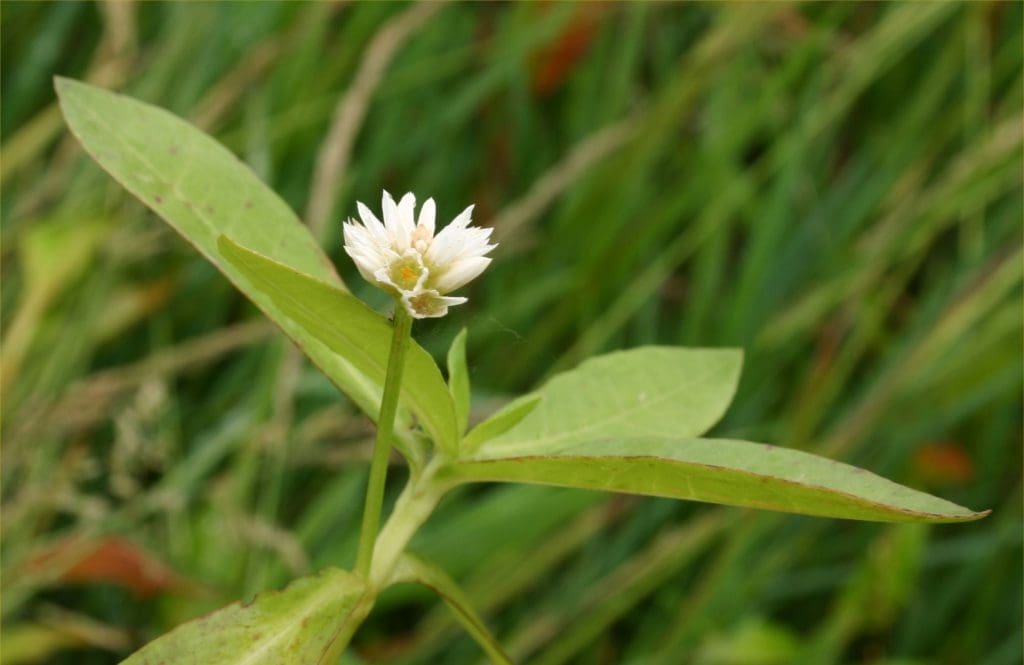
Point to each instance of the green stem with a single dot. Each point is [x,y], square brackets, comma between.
[413,508]
[382,445]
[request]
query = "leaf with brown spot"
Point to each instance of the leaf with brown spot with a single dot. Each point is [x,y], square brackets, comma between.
[303,623]
[206,192]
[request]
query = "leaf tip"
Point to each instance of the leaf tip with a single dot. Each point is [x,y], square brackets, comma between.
[979,515]
[961,514]
[63,84]
[60,86]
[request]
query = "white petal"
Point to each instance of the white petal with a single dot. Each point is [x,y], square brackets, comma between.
[474,243]
[348,229]
[442,249]
[460,273]
[389,209]
[370,221]
[407,212]
[397,232]
[357,237]
[359,240]
[463,219]
[364,265]
[448,245]
[428,213]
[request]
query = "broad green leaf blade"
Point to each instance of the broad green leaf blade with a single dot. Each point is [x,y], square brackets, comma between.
[505,419]
[458,379]
[736,473]
[188,178]
[413,568]
[202,190]
[303,623]
[334,319]
[648,391]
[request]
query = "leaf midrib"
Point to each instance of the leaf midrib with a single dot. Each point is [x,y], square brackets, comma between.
[293,624]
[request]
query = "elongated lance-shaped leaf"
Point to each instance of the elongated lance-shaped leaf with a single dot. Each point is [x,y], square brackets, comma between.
[202,190]
[414,568]
[299,624]
[349,328]
[627,422]
[735,473]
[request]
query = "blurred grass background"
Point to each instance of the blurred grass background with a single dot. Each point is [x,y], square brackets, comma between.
[836,187]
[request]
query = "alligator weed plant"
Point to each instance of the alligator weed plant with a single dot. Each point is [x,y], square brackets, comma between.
[630,421]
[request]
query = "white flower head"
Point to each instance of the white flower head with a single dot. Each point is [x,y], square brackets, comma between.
[405,258]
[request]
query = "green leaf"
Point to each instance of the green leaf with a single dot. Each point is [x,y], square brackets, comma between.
[307,622]
[737,473]
[326,315]
[648,391]
[188,178]
[202,190]
[505,419]
[626,422]
[458,379]
[413,568]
